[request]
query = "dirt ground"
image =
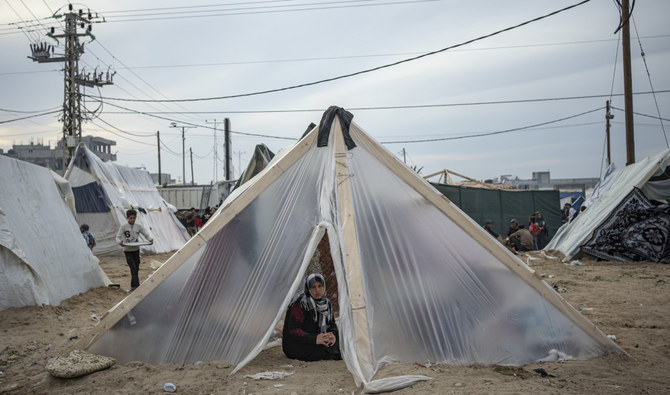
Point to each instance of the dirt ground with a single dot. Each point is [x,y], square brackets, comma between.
[628,300]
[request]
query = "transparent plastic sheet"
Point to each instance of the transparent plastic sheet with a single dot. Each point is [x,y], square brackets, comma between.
[571,236]
[222,301]
[124,187]
[43,256]
[433,294]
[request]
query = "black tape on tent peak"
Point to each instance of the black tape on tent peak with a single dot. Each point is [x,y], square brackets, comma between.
[327,121]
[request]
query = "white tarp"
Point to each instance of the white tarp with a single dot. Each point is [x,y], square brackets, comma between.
[571,236]
[123,188]
[43,257]
[414,284]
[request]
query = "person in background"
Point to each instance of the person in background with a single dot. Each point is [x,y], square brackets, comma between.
[88,236]
[534,231]
[130,233]
[191,227]
[489,228]
[543,237]
[309,332]
[513,227]
[521,240]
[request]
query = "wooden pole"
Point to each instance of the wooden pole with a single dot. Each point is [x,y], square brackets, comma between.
[627,84]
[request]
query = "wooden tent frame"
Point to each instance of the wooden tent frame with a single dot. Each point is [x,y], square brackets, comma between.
[352,257]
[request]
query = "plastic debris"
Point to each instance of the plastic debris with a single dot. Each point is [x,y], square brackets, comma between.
[555,355]
[169,387]
[269,375]
[613,337]
[576,263]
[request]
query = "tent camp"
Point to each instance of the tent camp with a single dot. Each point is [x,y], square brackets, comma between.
[418,280]
[43,257]
[104,191]
[651,177]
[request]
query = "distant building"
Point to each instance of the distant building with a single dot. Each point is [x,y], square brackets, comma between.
[542,181]
[166,179]
[45,156]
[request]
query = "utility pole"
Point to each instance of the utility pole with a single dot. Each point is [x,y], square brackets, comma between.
[191,150]
[226,128]
[627,83]
[404,156]
[158,137]
[183,149]
[608,117]
[216,151]
[72,79]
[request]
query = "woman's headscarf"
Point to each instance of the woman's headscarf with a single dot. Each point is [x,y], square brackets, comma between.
[321,310]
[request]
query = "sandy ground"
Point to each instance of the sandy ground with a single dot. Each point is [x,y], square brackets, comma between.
[628,300]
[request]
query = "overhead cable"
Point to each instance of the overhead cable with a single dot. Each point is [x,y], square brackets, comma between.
[492,133]
[359,72]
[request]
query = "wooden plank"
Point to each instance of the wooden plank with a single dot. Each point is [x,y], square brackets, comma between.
[475,231]
[352,254]
[215,224]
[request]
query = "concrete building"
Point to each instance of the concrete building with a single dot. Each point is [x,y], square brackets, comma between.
[52,158]
[542,181]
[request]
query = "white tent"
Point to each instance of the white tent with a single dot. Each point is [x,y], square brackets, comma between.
[43,257]
[607,195]
[104,191]
[418,280]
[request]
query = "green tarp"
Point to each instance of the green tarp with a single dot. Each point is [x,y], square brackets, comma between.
[501,205]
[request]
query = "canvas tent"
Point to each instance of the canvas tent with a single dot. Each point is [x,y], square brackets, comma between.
[259,160]
[104,191]
[43,257]
[650,175]
[418,280]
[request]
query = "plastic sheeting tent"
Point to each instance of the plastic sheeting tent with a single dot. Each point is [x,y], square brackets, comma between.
[649,174]
[43,257]
[104,191]
[418,280]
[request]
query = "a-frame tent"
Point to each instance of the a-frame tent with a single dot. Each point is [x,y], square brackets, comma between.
[418,280]
[104,191]
[650,175]
[43,257]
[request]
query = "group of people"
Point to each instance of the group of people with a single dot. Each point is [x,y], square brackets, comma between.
[193,221]
[568,214]
[521,239]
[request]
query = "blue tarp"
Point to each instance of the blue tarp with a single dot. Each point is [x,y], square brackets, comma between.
[90,198]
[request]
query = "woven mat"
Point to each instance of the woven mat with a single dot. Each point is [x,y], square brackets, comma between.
[78,363]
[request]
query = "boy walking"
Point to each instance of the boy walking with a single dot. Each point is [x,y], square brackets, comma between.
[129,233]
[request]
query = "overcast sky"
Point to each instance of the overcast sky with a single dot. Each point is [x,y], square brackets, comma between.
[172,49]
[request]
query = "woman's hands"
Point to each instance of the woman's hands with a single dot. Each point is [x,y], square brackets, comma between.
[325,339]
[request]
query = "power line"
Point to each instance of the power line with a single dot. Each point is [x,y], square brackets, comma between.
[258,10]
[400,107]
[29,112]
[492,133]
[643,115]
[363,71]
[30,116]
[644,59]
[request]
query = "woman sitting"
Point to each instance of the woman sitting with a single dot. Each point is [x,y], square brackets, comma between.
[310,333]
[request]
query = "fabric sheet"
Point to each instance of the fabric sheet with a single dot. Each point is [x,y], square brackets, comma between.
[636,230]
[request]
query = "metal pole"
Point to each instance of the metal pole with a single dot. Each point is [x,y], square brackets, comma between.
[158,137]
[608,116]
[226,126]
[627,84]
[183,157]
[191,150]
